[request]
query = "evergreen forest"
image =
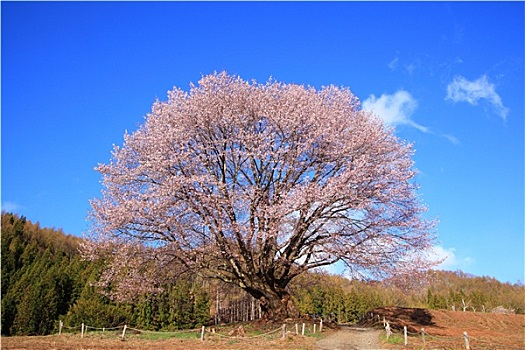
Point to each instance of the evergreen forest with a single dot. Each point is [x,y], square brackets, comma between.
[45,280]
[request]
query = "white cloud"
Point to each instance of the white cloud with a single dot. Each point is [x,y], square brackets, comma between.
[463,90]
[410,68]
[396,109]
[453,139]
[11,207]
[450,260]
[393,64]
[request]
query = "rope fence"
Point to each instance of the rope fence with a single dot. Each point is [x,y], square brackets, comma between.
[204,332]
[464,340]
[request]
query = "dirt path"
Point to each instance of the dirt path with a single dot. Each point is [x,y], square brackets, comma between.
[351,338]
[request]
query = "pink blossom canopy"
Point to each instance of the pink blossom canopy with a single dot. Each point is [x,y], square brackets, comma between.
[254,183]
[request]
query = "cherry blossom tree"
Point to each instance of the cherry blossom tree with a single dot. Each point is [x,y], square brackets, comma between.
[254,184]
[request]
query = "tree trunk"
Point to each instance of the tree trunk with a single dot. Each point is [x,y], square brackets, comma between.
[275,305]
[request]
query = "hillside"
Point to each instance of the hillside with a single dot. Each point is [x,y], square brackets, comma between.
[44,279]
[42,275]
[445,329]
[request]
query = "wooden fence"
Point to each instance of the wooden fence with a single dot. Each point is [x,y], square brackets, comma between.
[460,341]
[241,309]
[210,331]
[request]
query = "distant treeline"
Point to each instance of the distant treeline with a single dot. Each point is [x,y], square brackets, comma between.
[44,280]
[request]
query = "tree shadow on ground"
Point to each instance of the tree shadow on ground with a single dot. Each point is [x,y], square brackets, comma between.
[398,317]
[421,317]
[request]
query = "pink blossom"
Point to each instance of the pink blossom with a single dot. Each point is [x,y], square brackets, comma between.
[255,184]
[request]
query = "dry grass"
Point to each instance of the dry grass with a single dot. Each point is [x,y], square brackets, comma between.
[112,341]
[445,329]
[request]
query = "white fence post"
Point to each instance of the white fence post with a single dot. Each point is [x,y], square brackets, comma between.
[284,331]
[423,336]
[82,331]
[405,334]
[467,345]
[60,325]
[321,326]
[202,332]
[124,331]
[296,329]
[302,332]
[388,331]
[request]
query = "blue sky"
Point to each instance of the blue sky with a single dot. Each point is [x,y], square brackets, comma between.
[448,76]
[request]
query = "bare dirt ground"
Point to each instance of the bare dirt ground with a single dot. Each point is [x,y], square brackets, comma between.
[351,338]
[443,329]
[343,339]
[55,342]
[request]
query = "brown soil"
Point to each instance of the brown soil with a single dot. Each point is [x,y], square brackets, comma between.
[445,329]
[73,342]
[351,338]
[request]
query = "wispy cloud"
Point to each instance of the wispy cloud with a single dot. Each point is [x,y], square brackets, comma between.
[464,90]
[396,109]
[411,68]
[449,259]
[11,207]
[393,64]
[453,139]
